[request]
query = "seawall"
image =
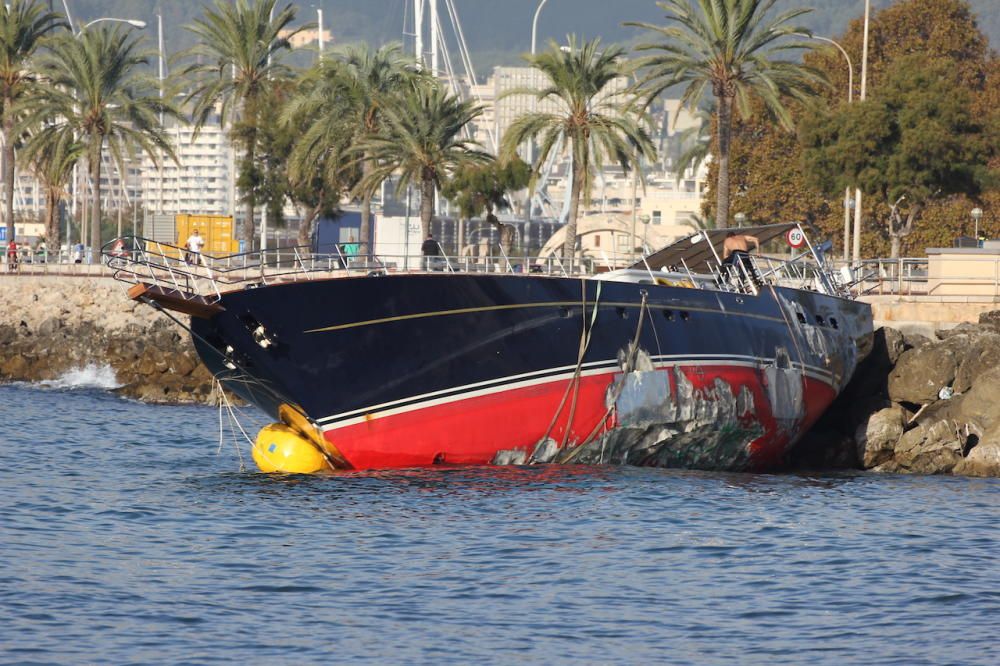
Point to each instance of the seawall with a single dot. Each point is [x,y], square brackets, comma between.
[50,325]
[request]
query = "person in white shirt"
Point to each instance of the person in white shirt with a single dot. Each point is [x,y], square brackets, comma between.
[194,243]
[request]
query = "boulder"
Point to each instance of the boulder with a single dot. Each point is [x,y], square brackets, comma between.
[50,326]
[983,459]
[979,405]
[15,368]
[877,436]
[922,372]
[991,319]
[982,355]
[933,448]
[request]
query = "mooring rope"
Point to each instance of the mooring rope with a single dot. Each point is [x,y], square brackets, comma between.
[619,387]
[225,404]
[574,383]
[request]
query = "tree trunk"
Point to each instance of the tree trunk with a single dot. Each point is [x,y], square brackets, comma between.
[52,235]
[95,209]
[426,203]
[365,233]
[724,134]
[505,231]
[249,157]
[249,233]
[305,229]
[8,173]
[569,244]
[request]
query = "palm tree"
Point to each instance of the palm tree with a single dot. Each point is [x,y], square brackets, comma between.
[24,24]
[99,92]
[320,167]
[238,54]
[52,156]
[594,120]
[731,47]
[350,92]
[421,139]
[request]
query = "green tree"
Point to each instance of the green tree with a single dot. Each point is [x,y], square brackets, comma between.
[24,25]
[345,99]
[238,58]
[768,172]
[731,48]
[916,140]
[99,91]
[485,189]
[51,159]
[319,166]
[594,121]
[421,140]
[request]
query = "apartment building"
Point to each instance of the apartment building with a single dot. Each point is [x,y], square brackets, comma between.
[200,182]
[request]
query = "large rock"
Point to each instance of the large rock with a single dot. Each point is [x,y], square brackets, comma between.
[991,319]
[979,405]
[983,459]
[922,372]
[933,448]
[877,436]
[982,355]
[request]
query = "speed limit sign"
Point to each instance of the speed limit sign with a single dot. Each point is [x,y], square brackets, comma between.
[795,238]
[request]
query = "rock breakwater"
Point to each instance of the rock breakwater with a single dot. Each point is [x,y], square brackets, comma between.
[51,326]
[917,405]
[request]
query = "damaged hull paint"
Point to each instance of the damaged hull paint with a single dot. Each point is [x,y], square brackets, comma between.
[415,370]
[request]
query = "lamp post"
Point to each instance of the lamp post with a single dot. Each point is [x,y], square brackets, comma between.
[977,215]
[850,98]
[864,96]
[135,23]
[741,219]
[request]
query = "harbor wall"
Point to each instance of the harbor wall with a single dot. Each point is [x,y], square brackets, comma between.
[53,325]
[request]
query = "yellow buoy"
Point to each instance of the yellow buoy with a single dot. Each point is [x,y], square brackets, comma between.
[280,448]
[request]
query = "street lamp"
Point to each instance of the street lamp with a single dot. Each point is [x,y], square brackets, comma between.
[848,207]
[135,23]
[534,79]
[977,215]
[740,218]
[864,96]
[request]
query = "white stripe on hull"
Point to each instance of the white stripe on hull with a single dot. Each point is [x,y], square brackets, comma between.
[542,377]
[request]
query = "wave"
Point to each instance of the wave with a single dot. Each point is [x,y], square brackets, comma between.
[90,376]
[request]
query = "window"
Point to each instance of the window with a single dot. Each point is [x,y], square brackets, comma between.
[597,240]
[657,217]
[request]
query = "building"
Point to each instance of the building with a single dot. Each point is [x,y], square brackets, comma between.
[200,181]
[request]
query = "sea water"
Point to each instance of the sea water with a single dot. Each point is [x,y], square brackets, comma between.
[126,536]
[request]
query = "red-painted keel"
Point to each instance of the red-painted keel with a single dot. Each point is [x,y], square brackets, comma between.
[471,429]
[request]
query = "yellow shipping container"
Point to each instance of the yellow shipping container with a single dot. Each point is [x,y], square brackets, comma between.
[217,230]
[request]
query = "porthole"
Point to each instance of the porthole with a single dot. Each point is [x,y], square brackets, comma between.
[820,321]
[801,317]
[622,312]
[685,316]
[668,315]
[833,322]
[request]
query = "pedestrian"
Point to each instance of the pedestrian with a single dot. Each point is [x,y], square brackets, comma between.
[12,255]
[430,249]
[193,245]
[118,249]
[78,253]
[351,247]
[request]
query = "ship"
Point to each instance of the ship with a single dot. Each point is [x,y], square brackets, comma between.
[680,360]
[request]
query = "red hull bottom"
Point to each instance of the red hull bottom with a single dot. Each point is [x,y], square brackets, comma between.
[472,430]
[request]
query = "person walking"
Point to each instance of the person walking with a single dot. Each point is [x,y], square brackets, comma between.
[12,256]
[194,245]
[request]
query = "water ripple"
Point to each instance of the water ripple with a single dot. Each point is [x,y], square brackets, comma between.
[127,539]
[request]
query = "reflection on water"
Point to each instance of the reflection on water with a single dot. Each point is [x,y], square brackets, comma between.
[127,538]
